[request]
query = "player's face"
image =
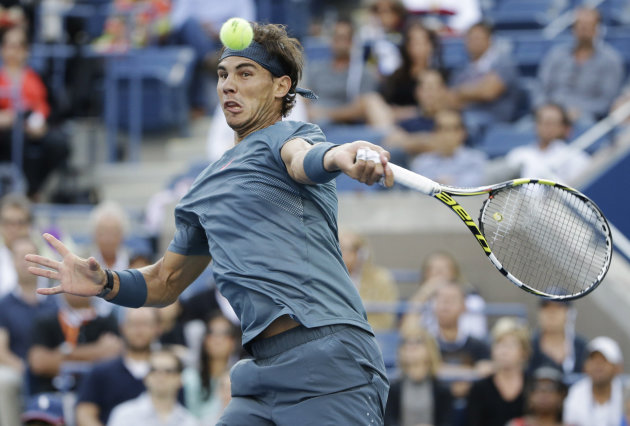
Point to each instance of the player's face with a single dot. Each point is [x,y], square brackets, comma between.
[250,97]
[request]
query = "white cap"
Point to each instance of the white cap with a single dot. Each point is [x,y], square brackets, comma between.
[607,347]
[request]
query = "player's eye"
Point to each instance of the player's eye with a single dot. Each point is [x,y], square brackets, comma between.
[222,75]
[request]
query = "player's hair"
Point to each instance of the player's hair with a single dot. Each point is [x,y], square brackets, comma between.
[288,50]
[19,202]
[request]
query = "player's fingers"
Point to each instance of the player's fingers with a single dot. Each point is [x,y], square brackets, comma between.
[50,291]
[388,180]
[58,245]
[46,273]
[43,261]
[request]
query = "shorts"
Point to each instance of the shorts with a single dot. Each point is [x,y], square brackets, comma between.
[331,375]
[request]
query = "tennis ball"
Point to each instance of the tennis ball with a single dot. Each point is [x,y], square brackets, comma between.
[236,33]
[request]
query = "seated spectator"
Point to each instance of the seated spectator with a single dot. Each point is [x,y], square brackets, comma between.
[460,166]
[556,343]
[382,34]
[109,225]
[75,333]
[15,222]
[626,407]
[345,85]
[487,87]
[551,158]
[417,398]
[113,382]
[218,352]
[44,150]
[44,410]
[545,395]
[18,310]
[496,399]
[158,405]
[584,77]
[437,268]
[420,52]
[465,358]
[375,284]
[597,399]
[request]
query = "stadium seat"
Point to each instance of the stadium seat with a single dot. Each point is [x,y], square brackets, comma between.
[619,39]
[521,14]
[454,53]
[530,47]
[579,129]
[499,139]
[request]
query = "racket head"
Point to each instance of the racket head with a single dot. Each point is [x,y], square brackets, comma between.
[547,238]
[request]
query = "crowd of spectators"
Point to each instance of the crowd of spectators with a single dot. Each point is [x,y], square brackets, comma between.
[382,68]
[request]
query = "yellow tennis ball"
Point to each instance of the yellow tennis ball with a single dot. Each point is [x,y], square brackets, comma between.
[236,33]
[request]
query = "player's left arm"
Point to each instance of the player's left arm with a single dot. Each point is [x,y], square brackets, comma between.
[338,158]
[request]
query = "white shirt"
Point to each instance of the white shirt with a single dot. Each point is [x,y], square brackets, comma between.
[8,276]
[140,412]
[558,162]
[581,410]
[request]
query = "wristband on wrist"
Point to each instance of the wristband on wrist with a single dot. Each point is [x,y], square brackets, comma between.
[314,163]
[132,291]
[109,285]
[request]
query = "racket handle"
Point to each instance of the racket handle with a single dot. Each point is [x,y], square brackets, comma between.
[414,180]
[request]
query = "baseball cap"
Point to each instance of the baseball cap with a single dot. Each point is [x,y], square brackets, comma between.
[46,408]
[548,373]
[607,347]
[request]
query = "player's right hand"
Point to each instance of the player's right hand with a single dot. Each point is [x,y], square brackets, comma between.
[78,276]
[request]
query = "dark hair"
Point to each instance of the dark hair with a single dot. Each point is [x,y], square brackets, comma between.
[566,121]
[436,60]
[204,356]
[168,350]
[288,50]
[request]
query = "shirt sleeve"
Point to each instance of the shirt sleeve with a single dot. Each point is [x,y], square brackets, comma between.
[189,239]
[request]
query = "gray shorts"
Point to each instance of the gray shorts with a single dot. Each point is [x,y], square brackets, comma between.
[332,375]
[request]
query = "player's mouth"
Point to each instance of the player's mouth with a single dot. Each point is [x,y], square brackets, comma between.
[232,106]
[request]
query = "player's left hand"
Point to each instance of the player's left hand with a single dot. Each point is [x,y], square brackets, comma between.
[363,161]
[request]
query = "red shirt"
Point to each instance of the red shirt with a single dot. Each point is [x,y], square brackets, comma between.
[33,96]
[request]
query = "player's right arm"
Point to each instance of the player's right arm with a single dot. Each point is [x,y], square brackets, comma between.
[165,279]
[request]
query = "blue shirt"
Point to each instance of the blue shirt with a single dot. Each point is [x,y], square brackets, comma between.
[18,318]
[273,241]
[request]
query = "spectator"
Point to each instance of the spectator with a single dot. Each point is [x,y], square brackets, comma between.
[584,77]
[159,405]
[458,166]
[465,358]
[15,222]
[18,310]
[437,268]
[420,51]
[113,382]
[487,87]
[556,343]
[201,385]
[44,150]
[382,34]
[417,398]
[598,398]
[375,284]
[551,158]
[544,399]
[626,407]
[345,85]
[110,225]
[75,333]
[496,399]
[44,410]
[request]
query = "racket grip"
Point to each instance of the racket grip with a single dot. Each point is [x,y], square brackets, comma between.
[414,180]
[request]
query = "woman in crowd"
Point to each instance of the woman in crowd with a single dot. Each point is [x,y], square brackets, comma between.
[495,400]
[201,385]
[417,397]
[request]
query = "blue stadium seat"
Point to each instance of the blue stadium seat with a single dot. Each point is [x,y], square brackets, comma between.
[619,39]
[316,49]
[501,138]
[530,47]
[579,129]
[454,54]
[521,14]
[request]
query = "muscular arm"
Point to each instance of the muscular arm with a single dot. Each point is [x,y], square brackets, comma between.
[341,158]
[168,277]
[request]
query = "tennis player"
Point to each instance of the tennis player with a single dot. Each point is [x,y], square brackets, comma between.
[266,214]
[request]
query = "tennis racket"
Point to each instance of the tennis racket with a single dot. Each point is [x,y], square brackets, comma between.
[547,238]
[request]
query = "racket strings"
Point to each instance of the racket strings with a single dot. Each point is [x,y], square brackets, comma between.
[548,238]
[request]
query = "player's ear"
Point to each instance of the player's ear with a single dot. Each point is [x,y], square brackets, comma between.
[282,86]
